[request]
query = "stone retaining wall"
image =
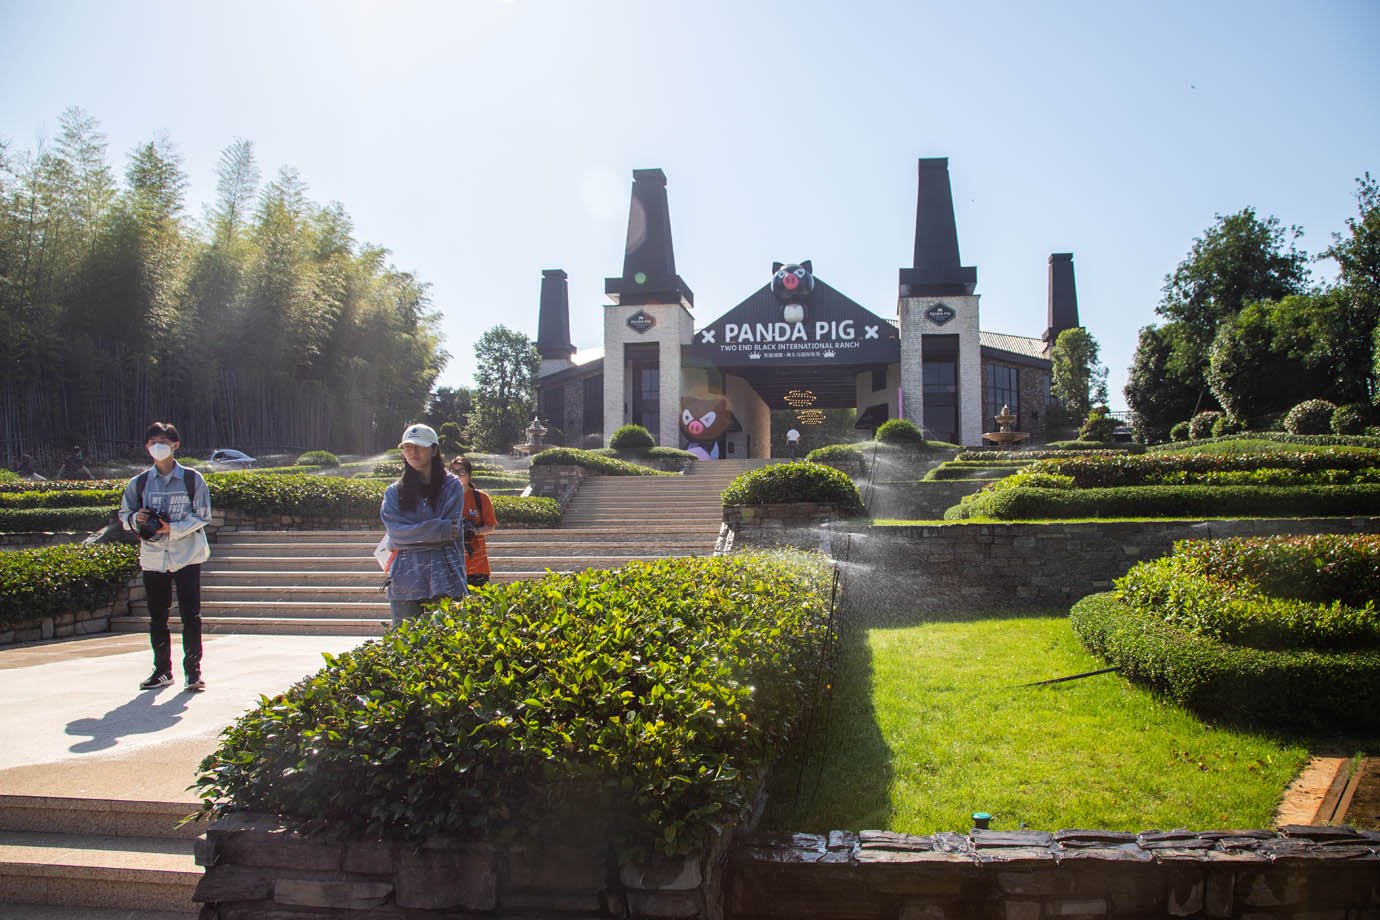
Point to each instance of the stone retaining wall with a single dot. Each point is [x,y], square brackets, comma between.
[69,623]
[1323,873]
[558,481]
[803,525]
[259,867]
[996,566]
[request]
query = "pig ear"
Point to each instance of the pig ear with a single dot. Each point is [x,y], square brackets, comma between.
[808,266]
[776,267]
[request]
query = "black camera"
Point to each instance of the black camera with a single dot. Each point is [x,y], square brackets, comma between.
[469,530]
[152,524]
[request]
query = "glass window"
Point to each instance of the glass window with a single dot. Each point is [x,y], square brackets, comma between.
[1003,389]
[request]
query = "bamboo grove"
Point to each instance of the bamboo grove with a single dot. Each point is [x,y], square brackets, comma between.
[262,324]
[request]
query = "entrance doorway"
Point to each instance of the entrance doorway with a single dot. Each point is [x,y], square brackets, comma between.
[940,372]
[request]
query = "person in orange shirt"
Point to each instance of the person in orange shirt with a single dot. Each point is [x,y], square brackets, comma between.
[479,520]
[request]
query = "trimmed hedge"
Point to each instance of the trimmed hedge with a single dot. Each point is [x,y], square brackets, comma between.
[61,485]
[85,518]
[1307,440]
[1312,416]
[801,481]
[594,462]
[900,431]
[1188,469]
[1316,567]
[514,509]
[60,579]
[632,437]
[317,458]
[1304,690]
[644,702]
[1029,503]
[67,498]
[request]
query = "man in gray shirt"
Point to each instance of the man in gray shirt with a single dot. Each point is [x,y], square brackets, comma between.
[169,506]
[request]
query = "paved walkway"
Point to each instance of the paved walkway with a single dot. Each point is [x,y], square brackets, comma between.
[74,723]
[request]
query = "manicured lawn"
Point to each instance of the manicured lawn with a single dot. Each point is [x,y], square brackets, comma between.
[929,724]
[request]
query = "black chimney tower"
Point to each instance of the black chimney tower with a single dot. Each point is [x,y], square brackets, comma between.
[936,268]
[649,261]
[1063,297]
[553,318]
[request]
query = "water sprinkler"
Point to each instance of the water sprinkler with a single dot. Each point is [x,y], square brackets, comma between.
[981,820]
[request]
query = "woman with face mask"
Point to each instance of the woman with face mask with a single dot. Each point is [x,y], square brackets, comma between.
[169,506]
[424,515]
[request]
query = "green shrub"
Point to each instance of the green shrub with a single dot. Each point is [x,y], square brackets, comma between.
[594,462]
[801,481]
[58,520]
[1200,426]
[1225,425]
[1239,611]
[632,437]
[60,498]
[642,703]
[1280,437]
[59,579]
[390,468]
[450,439]
[7,475]
[61,485]
[1312,416]
[1179,431]
[1316,567]
[1298,689]
[323,458]
[538,512]
[899,431]
[1026,504]
[1349,419]
[1083,447]
[1110,469]
[1099,426]
[846,454]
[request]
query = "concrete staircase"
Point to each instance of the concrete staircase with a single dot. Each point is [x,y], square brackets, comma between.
[64,857]
[327,582]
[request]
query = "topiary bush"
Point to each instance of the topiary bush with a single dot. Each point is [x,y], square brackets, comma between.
[530,510]
[1312,416]
[899,431]
[631,438]
[59,579]
[1349,419]
[1200,426]
[323,458]
[801,481]
[1273,631]
[837,453]
[594,462]
[641,705]
[1179,432]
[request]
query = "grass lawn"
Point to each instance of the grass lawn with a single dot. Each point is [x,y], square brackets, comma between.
[929,724]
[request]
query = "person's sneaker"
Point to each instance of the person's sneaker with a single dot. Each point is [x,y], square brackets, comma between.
[156,680]
[194,682]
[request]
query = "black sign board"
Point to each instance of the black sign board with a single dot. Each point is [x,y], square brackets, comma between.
[833,331]
[640,322]
[940,313]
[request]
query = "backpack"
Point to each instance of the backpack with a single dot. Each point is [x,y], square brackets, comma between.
[114,531]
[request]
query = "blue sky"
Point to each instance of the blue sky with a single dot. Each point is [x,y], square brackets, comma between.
[485,140]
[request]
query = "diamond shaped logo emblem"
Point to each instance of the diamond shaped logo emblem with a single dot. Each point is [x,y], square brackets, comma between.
[640,322]
[940,313]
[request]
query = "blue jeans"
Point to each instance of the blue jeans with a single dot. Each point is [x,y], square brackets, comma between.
[405,610]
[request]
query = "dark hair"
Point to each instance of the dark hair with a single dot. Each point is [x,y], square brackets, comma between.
[465,465]
[410,483]
[162,430]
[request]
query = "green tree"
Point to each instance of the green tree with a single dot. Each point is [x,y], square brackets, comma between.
[506,364]
[1358,256]
[1077,379]
[450,404]
[1160,388]
[1239,260]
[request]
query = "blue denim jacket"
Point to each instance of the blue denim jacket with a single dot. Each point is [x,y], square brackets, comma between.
[431,552]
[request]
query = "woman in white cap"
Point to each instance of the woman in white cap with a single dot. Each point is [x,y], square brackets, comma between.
[424,514]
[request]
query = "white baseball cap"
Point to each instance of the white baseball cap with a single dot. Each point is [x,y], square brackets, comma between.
[423,435]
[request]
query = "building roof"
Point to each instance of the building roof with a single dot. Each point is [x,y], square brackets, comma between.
[1019,347]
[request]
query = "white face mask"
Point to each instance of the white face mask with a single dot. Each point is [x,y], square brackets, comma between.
[160,451]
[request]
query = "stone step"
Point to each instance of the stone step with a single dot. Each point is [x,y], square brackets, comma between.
[100,817]
[286,626]
[111,859]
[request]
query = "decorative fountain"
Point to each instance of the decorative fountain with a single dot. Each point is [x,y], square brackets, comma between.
[1004,436]
[534,444]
